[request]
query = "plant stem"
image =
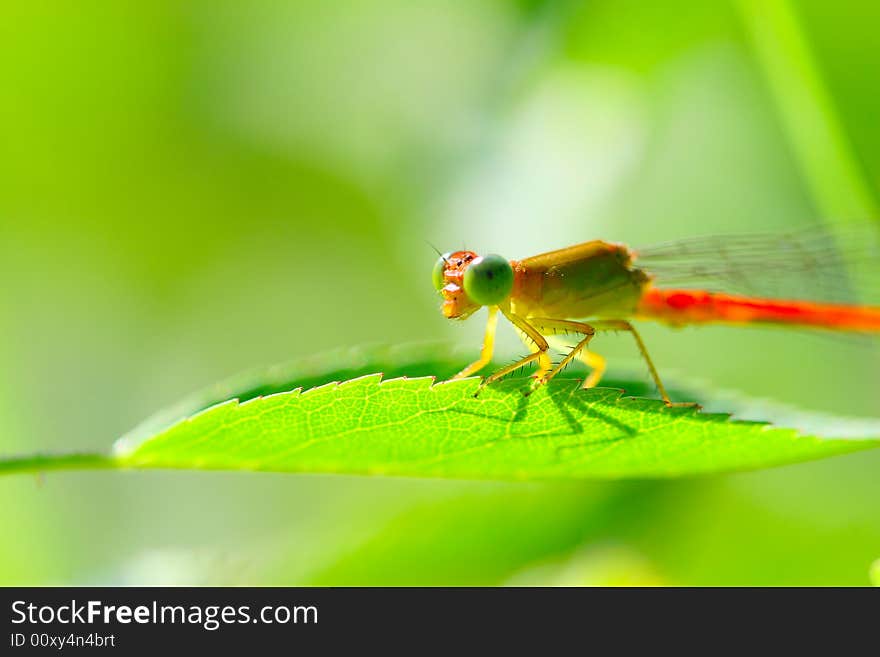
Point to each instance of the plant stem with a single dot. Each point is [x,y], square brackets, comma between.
[807,110]
[38,463]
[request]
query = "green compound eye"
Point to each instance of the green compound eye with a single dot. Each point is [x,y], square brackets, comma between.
[439,268]
[488,280]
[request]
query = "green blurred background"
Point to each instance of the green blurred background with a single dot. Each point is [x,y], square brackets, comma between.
[190,189]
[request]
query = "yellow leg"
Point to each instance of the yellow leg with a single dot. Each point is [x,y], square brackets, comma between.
[544,362]
[623,325]
[531,336]
[595,361]
[597,366]
[488,346]
[535,342]
[557,325]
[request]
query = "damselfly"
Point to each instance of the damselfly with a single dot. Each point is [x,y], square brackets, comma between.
[599,286]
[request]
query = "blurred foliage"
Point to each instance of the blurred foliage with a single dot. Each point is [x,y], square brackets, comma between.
[190,189]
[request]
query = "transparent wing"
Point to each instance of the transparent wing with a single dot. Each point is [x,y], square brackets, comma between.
[814,263]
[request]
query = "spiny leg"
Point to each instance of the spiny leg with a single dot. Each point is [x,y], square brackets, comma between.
[545,364]
[538,343]
[488,346]
[571,327]
[623,325]
[594,361]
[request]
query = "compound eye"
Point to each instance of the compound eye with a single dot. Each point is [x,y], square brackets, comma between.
[439,268]
[488,280]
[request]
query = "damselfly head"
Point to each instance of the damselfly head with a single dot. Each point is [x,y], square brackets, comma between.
[449,282]
[467,281]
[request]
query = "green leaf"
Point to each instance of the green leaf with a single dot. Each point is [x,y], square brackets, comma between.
[422,428]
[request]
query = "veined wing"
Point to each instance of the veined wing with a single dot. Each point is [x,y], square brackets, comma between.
[814,263]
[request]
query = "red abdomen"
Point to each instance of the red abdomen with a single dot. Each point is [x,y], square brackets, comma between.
[698,307]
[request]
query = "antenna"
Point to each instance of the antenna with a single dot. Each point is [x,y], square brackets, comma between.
[437,251]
